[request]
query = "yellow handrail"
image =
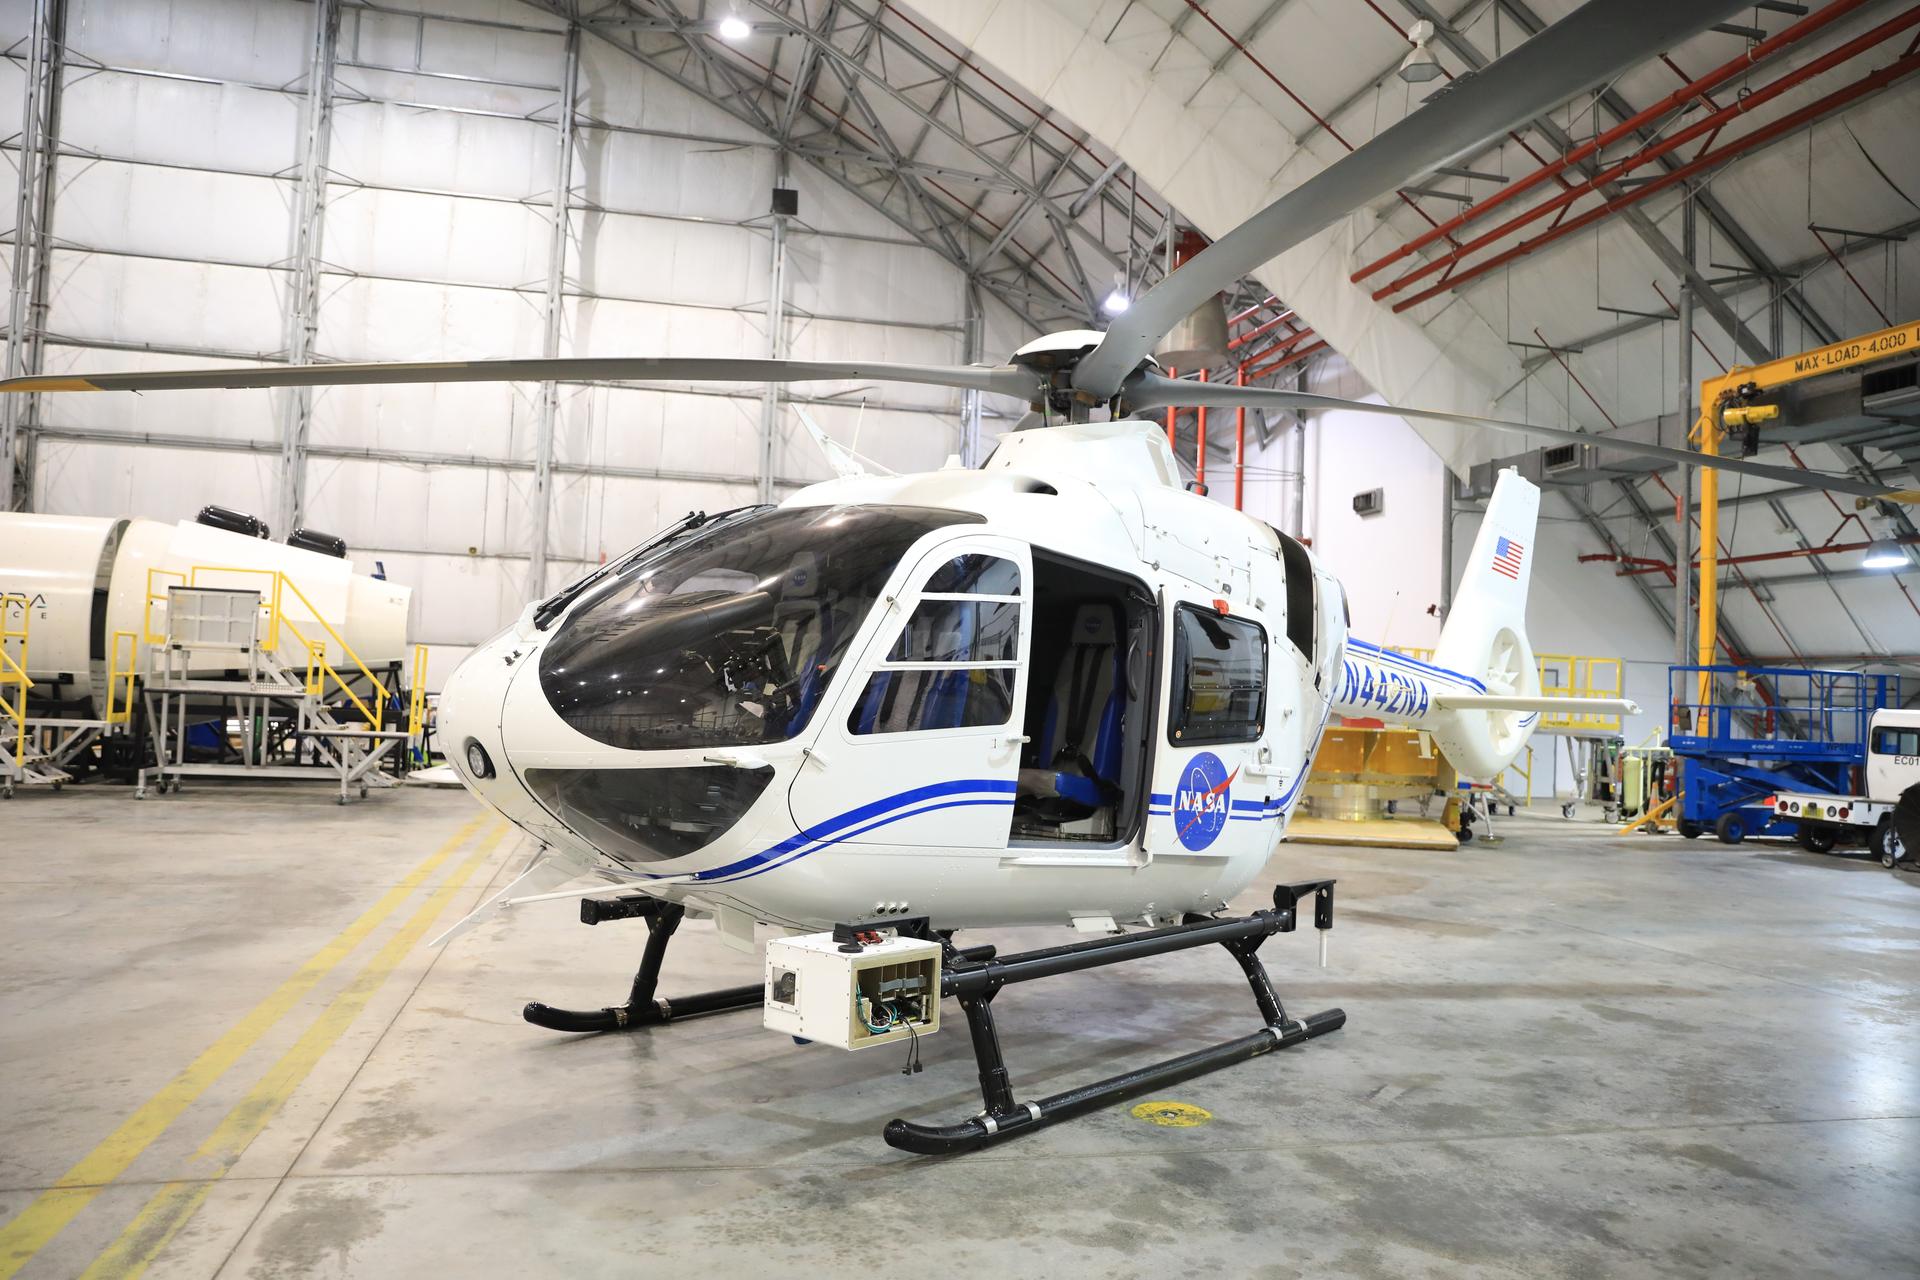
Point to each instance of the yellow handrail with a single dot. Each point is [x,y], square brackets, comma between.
[273,603]
[1574,676]
[147,633]
[13,671]
[417,701]
[344,647]
[119,710]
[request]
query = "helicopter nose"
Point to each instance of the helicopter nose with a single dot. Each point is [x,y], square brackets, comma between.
[469,728]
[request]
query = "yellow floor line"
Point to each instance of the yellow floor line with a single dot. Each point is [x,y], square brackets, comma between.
[54,1208]
[176,1202]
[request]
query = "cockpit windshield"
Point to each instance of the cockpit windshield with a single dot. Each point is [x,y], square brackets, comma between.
[729,637]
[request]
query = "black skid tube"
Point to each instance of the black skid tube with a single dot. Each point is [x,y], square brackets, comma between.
[975,985]
[940,1140]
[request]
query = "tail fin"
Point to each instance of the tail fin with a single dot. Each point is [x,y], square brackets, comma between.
[1492,594]
[1471,696]
[1485,636]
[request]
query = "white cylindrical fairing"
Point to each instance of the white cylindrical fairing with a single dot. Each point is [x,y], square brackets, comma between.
[88,580]
[61,566]
[376,621]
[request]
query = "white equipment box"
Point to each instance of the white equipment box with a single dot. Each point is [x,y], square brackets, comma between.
[886,991]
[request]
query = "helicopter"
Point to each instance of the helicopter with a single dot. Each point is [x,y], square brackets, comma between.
[1057,689]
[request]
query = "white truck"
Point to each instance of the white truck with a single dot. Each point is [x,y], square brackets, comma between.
[1893,765]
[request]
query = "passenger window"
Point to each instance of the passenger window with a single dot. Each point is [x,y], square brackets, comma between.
[976,575]
[953,664]
[960,631]
[1898,742]
[1220,678]
[959,698]
[1298,567]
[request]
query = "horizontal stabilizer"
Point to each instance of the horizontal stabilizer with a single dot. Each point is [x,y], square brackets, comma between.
[1519,702]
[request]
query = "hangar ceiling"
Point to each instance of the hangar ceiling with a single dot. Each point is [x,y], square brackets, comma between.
[993,138]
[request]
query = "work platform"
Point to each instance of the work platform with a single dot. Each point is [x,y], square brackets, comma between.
[219,663]
[1743,733]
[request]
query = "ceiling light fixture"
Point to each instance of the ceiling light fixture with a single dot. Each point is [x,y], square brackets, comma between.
[1116,302]
[1419,66]
[1884,555]
[734,27]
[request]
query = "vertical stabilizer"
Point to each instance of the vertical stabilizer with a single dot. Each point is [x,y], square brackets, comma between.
[1483,655]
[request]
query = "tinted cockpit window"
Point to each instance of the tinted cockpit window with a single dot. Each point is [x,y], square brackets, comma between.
[1220,678]
[649,815]
[728,638]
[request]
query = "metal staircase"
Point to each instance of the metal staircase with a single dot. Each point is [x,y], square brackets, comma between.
[219,661]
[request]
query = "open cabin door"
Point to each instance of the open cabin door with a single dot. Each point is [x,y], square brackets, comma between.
[1211,794]
[924,744]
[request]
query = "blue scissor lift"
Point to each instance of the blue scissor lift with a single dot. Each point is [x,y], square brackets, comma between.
[1760,730]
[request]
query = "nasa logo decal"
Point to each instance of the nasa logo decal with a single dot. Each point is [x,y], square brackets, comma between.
[1202,800]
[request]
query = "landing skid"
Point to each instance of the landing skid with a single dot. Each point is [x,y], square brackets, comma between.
[973,976]
[975,985]
[642,1008]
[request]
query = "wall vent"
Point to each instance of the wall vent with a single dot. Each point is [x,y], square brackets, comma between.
[1560,457]
[1370,503]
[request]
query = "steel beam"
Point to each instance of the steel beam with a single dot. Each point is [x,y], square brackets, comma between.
[39,142]
[553,311]
[776,337]
[1641,225]
[303,288]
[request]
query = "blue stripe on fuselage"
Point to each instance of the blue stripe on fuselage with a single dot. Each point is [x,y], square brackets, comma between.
[1388,657]
[819,832]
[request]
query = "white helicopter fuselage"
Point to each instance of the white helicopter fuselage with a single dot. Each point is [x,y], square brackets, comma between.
[1077,694]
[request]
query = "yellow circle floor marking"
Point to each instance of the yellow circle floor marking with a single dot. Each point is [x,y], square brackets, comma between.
[1172,1115]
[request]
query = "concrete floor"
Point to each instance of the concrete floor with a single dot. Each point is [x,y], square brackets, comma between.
[1573,1054]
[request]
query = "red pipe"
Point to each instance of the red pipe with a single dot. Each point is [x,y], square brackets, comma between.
[1295,358]
[1240,445]
[1279,346]
[1251,312]
[1251,334]
[1642,564]
[1767,133]
[1709,126]
[1673,101]
[1200,453]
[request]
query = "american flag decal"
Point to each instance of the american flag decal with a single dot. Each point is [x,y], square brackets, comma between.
[1506,558]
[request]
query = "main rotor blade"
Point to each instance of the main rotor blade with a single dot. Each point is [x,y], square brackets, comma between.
[1003,380]
[1151,391]
[1589,46]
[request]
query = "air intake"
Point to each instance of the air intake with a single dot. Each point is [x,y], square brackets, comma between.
[1561,457]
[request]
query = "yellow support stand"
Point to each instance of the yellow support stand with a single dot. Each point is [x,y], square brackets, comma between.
[1653,816]
[15,624]
[120,676]
[1721,402]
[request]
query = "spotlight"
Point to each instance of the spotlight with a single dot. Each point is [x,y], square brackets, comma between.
[1116,302]
[1884,555]
[1419,65]
[734,27]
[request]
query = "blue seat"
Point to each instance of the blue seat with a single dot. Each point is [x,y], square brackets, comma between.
[1079,748]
